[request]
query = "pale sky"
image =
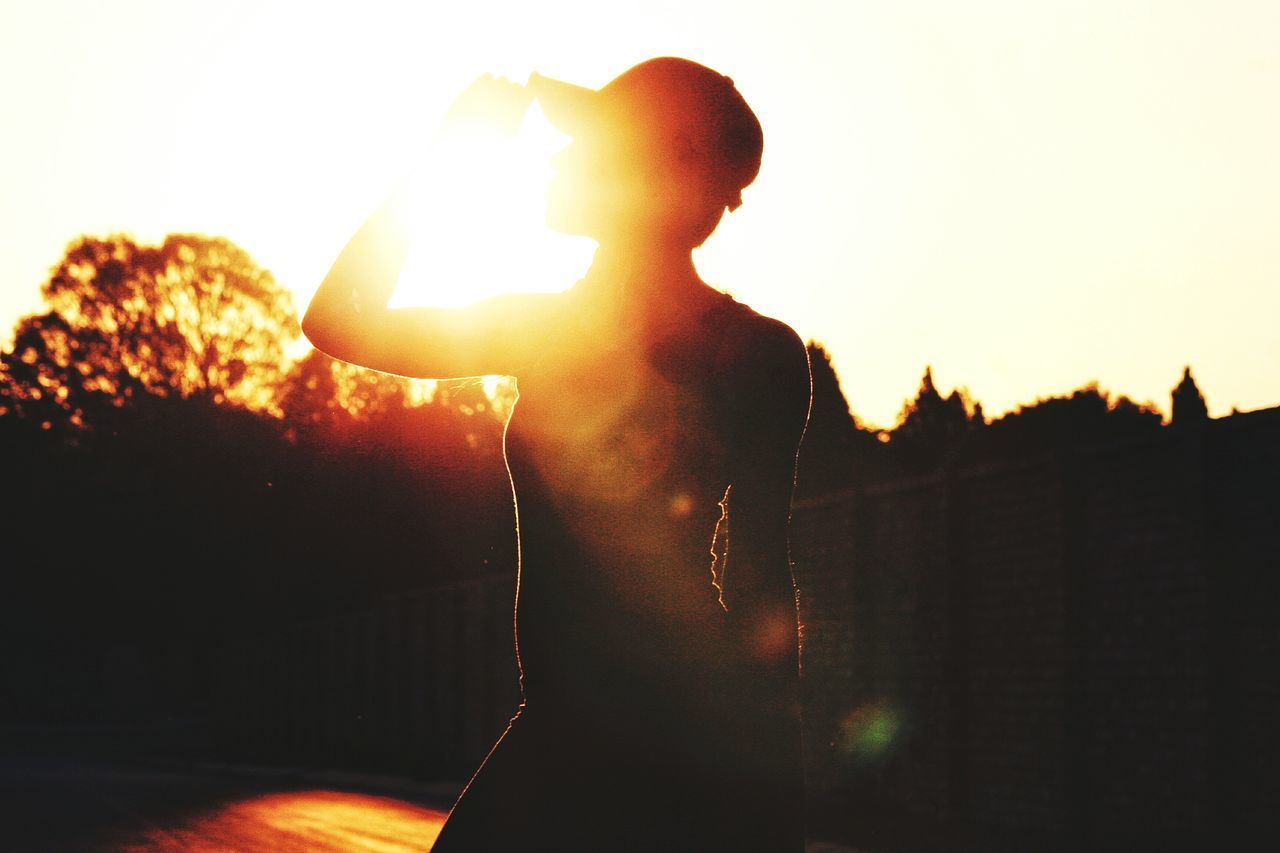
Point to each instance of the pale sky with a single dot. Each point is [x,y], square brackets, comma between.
[1025,195]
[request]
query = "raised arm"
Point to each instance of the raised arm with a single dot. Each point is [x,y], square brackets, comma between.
[348,317]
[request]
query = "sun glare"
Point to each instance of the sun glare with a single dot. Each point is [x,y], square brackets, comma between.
[297,820]
[478,208]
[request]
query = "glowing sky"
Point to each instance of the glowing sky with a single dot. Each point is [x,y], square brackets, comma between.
[1027,196]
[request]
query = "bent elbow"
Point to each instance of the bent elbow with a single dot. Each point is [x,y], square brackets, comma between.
[331,336]
[317,332]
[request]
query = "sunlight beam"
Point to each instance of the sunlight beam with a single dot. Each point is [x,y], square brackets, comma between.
[478,208]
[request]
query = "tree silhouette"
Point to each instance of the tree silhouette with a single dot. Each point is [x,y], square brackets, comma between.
[194,316]
[1188,403]
[932,427]
[1087,415]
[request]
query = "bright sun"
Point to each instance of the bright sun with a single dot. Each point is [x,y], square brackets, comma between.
[479,229]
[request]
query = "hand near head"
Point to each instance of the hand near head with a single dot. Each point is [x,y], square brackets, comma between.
[489,103]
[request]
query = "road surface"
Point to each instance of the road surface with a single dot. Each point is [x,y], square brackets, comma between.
[68,804]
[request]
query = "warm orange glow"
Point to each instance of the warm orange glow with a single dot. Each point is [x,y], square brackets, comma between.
[681,505]
[774,635]
[304,820]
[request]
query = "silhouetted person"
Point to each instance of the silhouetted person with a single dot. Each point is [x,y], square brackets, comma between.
[659,672]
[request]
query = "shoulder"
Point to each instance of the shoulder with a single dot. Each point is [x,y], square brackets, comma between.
[764,347]
[767,363]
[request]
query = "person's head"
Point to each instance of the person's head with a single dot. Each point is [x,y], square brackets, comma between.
[658,153]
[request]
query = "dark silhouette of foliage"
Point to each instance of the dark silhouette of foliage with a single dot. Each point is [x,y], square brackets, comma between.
[1188,404]
[1087,415]
[165,467]
[54,374]
[176,520]
[931,428]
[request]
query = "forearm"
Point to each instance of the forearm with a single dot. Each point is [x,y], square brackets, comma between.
[354,295]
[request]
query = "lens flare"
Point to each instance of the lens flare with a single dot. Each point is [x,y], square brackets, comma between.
[870,734]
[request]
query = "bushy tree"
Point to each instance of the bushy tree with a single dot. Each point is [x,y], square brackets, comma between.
[194,316]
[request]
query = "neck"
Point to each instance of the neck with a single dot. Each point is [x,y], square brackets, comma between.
[634,271]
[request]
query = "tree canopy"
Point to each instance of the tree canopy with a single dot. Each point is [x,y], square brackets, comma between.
[193,316]
[932,427]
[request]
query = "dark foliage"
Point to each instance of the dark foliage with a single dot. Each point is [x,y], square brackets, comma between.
[1086,416]
[168,482]
[1188,402]
[932,428]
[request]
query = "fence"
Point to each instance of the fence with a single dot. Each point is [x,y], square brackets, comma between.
[1079,647]
[1076,649]
[421,685]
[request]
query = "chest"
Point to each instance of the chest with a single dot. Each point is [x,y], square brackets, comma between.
[609,419]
